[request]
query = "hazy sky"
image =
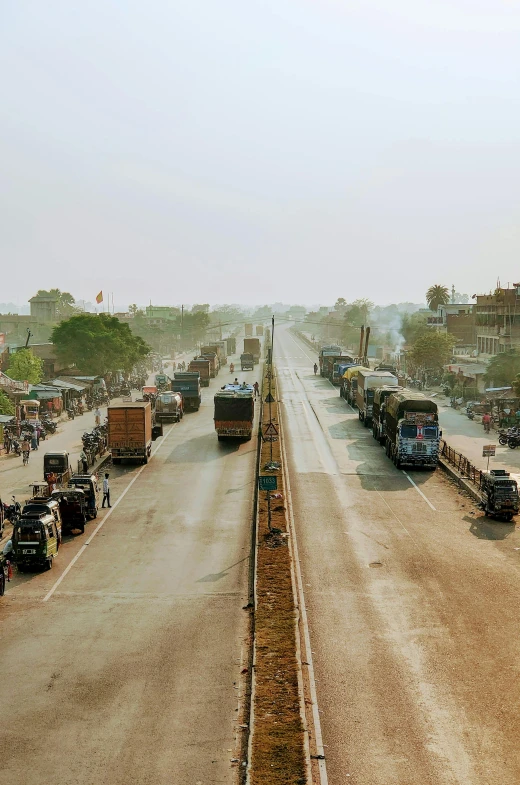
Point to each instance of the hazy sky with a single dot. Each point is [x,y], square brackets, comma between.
[249,151]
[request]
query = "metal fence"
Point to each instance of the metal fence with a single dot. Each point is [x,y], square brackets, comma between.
[468,470]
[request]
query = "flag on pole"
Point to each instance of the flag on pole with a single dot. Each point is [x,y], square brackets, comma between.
[99,298]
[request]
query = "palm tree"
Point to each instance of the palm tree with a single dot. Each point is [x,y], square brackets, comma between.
[437,295]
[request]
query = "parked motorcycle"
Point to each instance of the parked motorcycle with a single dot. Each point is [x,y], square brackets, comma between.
[12,511]
[513,442]
[71,413]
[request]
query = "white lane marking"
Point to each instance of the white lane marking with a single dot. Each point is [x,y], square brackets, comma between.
[318,739]
[418,490]
[102,523]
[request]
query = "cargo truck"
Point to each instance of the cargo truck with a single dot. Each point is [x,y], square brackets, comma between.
[223,352]
[130,431]
[213,363]
[259,329]
[209,349]
[412,430]
[201,365]
[367,383]
[231,345]
[327,351]
[349,389]
[234,412]
[248,330]
[188,385]
[252,346]
[247,362]
[162,382]
[330,360]
[379,411]
[338,369]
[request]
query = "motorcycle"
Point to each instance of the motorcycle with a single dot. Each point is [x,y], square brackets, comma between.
[470,413]
[16,447]
[71,413]
[232,368]
[12,511]
[513,441]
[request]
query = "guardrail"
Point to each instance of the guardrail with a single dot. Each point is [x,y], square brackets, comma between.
[464,466]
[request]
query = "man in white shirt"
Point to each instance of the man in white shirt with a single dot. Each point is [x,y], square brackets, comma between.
[106,491]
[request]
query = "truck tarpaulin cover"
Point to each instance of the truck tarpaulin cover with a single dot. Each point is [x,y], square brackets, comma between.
[234,407]
[399,403]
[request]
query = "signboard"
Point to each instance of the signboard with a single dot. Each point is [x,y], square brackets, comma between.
[267,483]
[270,429]
[419,417]
[488,450]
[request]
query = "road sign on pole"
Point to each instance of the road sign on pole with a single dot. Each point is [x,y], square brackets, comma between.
[270,429]
[267,482]
[489,450]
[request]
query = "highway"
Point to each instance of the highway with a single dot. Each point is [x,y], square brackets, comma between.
[412,600]
[123,663]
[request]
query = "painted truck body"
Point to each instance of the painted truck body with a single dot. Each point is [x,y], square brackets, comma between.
[214,365]
[252,346]
[367,383]
[188,385]
[234,412]
[349,389]
[260,329]
[213,348]
[327,351]
[130,431]
[412,435]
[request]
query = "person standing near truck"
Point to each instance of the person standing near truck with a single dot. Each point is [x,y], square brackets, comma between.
[256,388]
[106,491]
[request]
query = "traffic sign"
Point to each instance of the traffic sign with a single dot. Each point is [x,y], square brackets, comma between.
[267,483]
[271,429]
[269,398]
[488,450]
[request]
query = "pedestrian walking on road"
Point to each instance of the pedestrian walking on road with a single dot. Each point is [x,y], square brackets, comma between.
[98,416]
[315,369]
[256,389]
[34,441]
[38,434]
[106,491]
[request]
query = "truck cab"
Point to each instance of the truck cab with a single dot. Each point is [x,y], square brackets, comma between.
[247,362]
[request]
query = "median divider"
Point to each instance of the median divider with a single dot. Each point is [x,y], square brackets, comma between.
[277,746]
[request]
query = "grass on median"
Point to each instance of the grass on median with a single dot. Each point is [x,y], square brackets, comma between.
[277,746]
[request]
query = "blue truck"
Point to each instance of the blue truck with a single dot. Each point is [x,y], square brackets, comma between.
[188,384]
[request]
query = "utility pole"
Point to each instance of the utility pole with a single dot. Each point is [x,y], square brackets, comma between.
[270,393]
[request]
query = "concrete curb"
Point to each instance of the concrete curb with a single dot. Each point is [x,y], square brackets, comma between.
[463,482]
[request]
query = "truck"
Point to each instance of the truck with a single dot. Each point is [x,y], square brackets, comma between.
[327,351]
[412,435]
[209,349]
[329,360]
[252,346]
[349,389]
[231,345]
[248,330]
[169,406]
[260,329]
[162,381]
[338,369]
[201,365]
[234,412]
[379,411]
[247,362]
[130,431]
[214,365]
[188,385]
[223,352]
[367,383]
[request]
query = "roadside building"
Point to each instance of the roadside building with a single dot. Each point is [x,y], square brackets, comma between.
[497,318]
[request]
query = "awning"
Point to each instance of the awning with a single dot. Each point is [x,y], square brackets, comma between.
[470,370]
[68,385]
[5,418]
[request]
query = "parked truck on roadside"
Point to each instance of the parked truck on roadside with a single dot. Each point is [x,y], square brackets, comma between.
[201,365]
[350,380]
[260,329]
[130,431]
[367,383]
[188,385]
[252,346]
[234,412]
[379,411]
[412,430]
[327,351]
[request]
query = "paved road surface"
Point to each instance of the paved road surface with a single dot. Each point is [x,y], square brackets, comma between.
[129,672]
[412,603]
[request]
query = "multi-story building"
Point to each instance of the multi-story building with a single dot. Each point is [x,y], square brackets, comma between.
[497,319]
[457,319]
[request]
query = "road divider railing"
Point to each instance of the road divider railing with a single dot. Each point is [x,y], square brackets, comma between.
[277,748]
[463,465]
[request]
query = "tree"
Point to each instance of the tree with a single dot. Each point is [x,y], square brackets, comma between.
[25,367]
[437,295]
[66,304]
[6,405]
[340,305]
[98,344]
[432,350]
[412,326]
[503,369]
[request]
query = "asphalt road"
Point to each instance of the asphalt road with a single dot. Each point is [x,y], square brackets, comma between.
[412,599]
[123,663]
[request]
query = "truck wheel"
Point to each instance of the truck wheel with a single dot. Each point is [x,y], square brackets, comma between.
[145,459]
[48,563]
